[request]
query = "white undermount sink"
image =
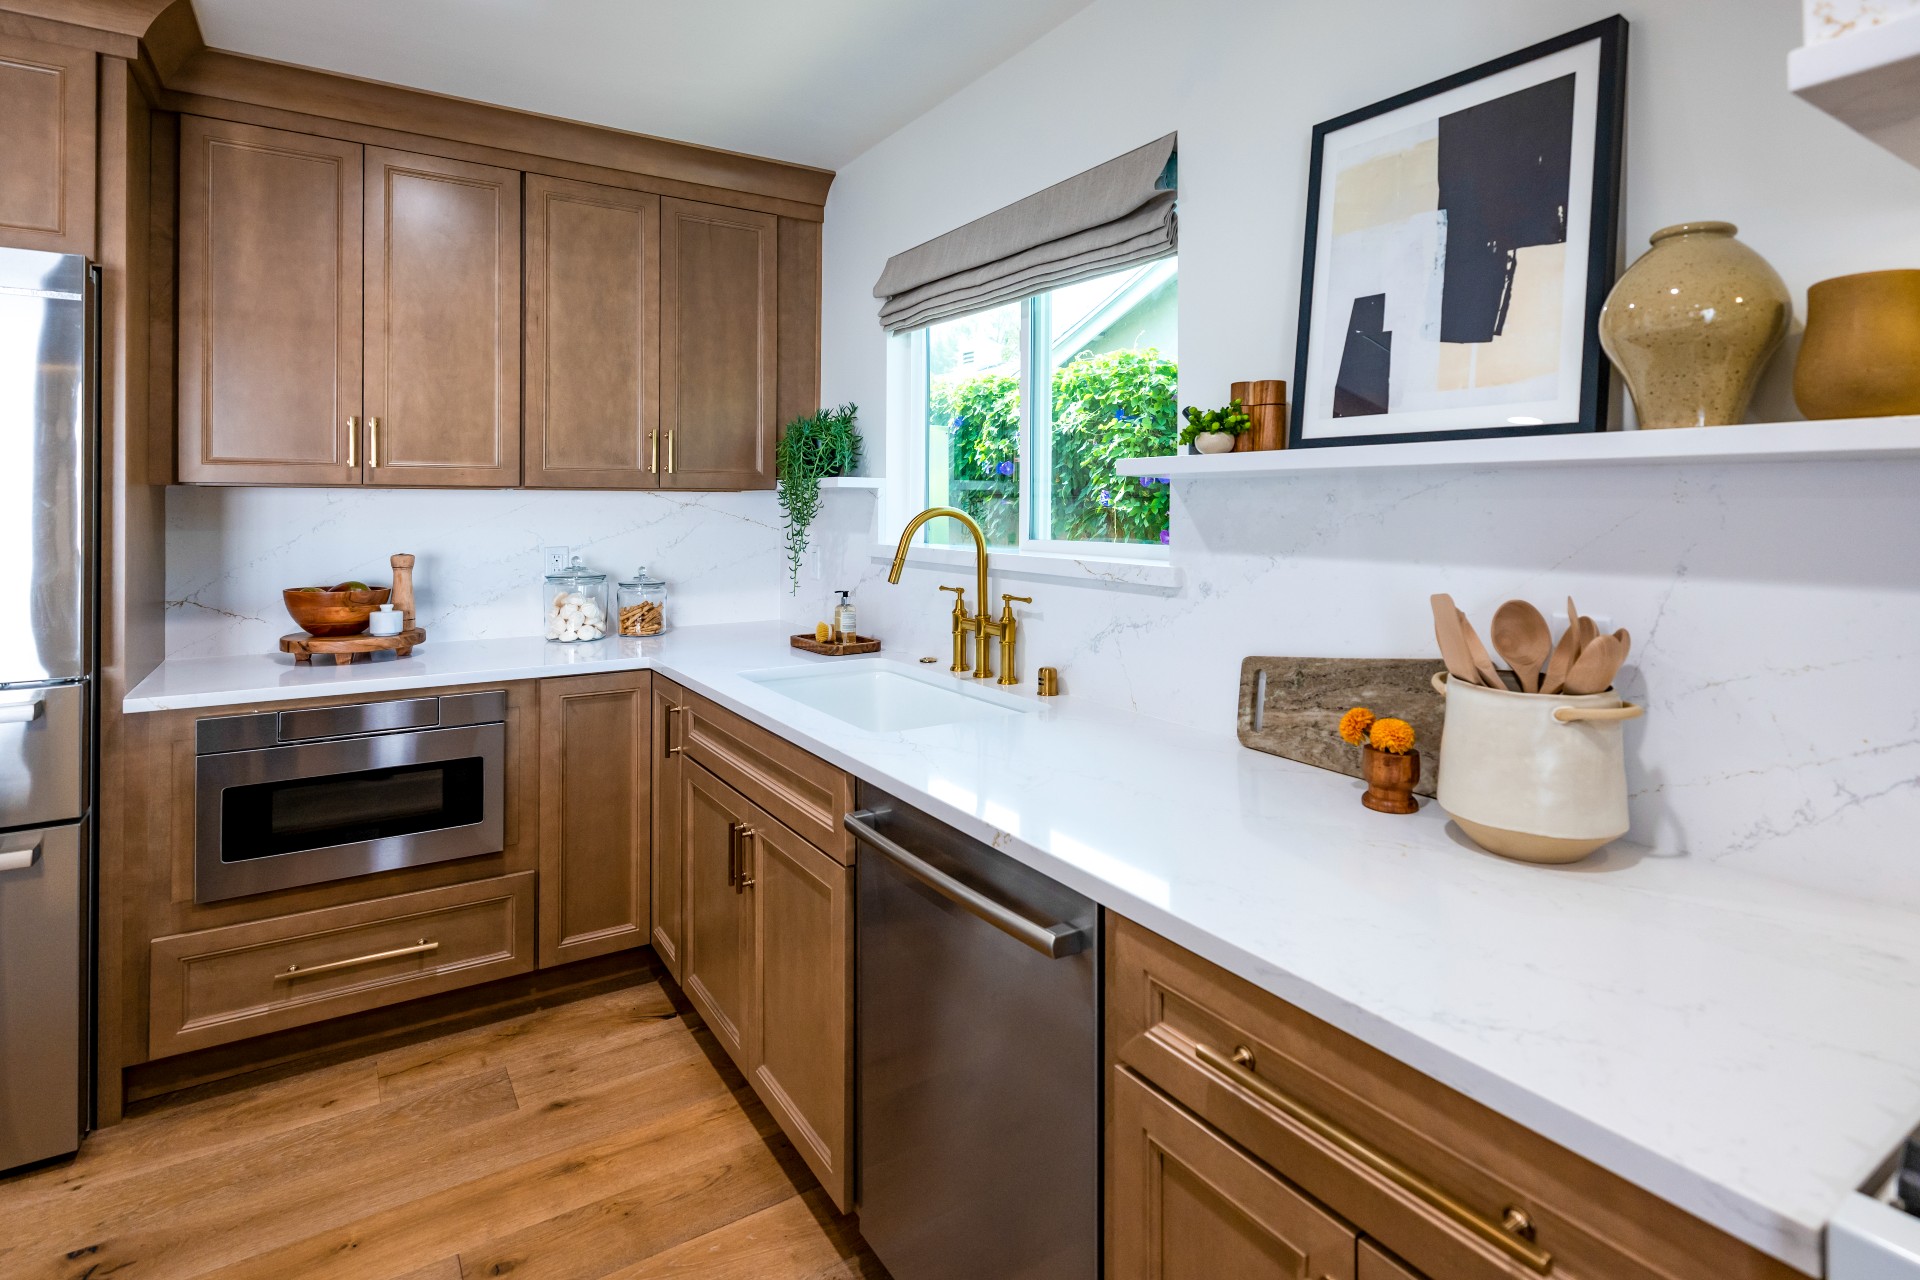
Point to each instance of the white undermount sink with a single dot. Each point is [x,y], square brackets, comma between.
[887,697]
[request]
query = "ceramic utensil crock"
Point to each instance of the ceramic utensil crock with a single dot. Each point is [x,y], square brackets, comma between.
[1534,777]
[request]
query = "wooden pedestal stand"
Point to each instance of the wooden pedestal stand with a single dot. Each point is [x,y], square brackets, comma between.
[362,647]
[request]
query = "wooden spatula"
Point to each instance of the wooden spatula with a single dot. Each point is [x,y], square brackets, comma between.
[1593,672]
[1482,660]
[1453,642]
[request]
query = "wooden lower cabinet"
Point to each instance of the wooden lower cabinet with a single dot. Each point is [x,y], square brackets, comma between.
[719,938]
[803,981]
[243,980]
[768,961]
[1186,1204]
[1377,1264]
[596,784]
[669,853]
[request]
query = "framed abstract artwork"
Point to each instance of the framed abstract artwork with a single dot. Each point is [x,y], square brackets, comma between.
[1461,239]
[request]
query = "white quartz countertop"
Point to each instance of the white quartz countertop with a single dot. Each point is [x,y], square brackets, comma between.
[1745,1049]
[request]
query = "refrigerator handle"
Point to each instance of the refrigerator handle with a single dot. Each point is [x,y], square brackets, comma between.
[25,853]
[22,712]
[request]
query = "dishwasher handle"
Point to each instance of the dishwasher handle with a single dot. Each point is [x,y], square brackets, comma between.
[1055,941]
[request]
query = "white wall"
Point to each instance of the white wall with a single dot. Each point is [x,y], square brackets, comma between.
[230,552]
[1776,609]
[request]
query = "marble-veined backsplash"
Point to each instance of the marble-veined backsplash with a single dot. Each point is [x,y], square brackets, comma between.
[230,552]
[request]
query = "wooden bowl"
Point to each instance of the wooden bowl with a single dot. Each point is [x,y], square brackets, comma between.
[334,613]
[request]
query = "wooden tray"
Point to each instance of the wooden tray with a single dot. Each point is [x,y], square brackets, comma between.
[351,648]
[836,648]
[1302,700]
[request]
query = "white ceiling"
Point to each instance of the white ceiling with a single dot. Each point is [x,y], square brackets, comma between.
[811,81]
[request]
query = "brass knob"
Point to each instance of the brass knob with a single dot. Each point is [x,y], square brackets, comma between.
[1514,1221]
[1049,680]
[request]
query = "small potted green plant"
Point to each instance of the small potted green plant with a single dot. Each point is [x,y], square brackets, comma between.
[1214,430]
[812,448]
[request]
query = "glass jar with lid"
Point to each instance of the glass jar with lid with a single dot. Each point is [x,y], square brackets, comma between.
[575,602]
[643,605]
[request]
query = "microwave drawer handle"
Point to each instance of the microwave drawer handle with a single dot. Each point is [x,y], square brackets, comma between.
[292,971]
[1055,941]
[1509,1235]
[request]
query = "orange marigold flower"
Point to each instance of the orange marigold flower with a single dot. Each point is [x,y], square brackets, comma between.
[1354,725]
[1395,736]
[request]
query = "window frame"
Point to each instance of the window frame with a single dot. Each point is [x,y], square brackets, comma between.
[1034,460]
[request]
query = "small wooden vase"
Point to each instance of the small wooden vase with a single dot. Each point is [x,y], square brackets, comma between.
[1390,780]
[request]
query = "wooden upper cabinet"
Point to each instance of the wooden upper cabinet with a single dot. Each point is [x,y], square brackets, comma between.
[593,335]
[47,131]
[719,357]
[1186,1204]
[595,810]
[269,327]
[442,322]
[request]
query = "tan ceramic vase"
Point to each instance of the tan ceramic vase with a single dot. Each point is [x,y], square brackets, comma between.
[1692,323]
[1861,356]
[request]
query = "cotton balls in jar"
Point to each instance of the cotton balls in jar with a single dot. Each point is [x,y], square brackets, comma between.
[574,616]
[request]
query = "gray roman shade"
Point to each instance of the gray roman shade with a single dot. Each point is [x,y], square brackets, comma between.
[1109,217]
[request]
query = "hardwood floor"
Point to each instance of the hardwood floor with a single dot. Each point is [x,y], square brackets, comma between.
[606,1137]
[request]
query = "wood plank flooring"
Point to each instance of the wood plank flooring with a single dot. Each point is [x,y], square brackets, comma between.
[605,1137]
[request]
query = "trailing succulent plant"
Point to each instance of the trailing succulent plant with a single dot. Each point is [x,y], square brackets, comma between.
[821,444]
[1232,420]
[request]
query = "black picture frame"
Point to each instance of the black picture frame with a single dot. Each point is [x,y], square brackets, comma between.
[1603,236]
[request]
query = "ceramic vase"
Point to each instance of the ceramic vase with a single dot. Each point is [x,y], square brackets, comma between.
[1861,355]
[1534,777]
[1214,442]
[1390,780]
[1691,325]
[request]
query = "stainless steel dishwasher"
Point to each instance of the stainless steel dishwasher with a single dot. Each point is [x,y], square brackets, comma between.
[979,1061]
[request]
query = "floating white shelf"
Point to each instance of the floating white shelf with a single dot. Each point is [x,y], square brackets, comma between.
[1859,439]
[1869,80]
[853,482]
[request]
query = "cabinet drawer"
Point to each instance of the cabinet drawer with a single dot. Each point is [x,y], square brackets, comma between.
[801,790]
[218,985]
[1427,1172]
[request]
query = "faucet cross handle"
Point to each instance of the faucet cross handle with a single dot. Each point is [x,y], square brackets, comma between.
[959,599]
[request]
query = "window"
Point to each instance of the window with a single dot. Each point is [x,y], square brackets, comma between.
[1028,405]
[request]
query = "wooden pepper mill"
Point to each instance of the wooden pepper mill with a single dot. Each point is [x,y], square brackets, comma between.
[1265,402]
[402,598]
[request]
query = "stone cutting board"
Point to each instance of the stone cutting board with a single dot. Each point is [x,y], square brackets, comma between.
[1296,712]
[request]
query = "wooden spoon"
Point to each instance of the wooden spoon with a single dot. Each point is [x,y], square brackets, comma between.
[1482,660]
[1453,642]
[1522,637]
[1599,660]
[1563,657]
[1625,642]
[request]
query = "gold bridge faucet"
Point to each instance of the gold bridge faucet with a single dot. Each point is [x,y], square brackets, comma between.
[981,626]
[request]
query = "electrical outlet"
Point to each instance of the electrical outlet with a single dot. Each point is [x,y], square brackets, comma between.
[554,559]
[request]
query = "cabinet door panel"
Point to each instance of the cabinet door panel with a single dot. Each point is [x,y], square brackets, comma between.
[719,363]
[719,928]
[594,811]
[47,147]
[593,335]
[443,322]
[1377,1264]
[270,335]
[1186,1204]
[803,962]
[669,844]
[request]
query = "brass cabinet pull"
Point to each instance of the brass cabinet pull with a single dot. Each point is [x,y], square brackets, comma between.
[673,748]
[420,948]
[745,881]
[669,453]
[733,854]
[373,442]
[353,435]
[1505,1235]
[653,443]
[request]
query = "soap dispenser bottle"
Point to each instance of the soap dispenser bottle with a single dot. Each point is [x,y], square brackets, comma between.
[846,626]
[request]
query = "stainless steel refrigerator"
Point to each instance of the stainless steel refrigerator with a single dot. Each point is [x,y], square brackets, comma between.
[48,537]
